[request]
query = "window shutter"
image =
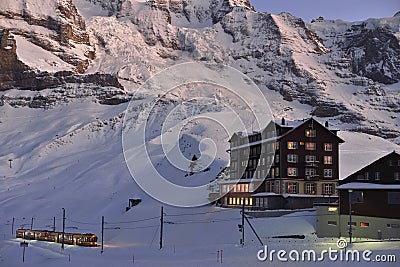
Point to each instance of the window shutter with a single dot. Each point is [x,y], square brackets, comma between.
[305,188]
[334,188]
[297,188]
[286,187]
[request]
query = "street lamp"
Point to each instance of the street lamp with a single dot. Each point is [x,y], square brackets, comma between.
[350,221]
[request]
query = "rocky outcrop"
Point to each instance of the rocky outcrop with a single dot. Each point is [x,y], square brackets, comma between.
[68,29]
[10,66]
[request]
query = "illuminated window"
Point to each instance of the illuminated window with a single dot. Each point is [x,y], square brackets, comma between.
[364,224]
[327,189]
[328,160]
[311,188]
[292,158]
[230,201]
[233,201]
[328,147]
[291,188]
[311,133]
[292,145]
[311,146]
[292,171]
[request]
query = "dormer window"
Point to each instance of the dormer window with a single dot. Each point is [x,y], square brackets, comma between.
[311,133]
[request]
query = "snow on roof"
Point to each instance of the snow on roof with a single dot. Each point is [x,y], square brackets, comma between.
[358,185]
[360,150]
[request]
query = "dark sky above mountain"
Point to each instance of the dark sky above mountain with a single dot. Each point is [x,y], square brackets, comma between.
[353,10]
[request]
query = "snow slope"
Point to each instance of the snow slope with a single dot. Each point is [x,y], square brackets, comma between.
[71,156]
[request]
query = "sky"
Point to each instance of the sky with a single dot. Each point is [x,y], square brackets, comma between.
[349,10]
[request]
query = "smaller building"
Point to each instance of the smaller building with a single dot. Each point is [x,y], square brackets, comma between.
[373,196]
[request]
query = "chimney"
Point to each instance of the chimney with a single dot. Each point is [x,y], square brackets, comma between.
[283,121]
[326,124]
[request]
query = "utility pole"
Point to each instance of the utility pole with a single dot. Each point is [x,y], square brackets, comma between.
[32,224]
[102,234]
[63,229]
[350,221]
[242,240]
[54,223]
[161,226]
[12,226]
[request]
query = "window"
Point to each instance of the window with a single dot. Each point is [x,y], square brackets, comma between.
[391,163]
[311,133]
[276,158]
[277,172]
[328,147]
[396,176]
[393,197]
[327,189]
[364,224]
[311,158]
[292,158]
[352,223]
[398,163]
[263,161]
[311,146]
[357,197]
[328,173]
[360,177]
[310,172]
[291,188]
[377,175]
[311,188]
[328,160]
[332,223]
[292,171]
[366,175]
[292,145]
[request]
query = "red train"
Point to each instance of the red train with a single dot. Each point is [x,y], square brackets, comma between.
[86,240]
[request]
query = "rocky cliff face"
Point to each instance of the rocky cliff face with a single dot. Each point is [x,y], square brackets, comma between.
[55,26]
[347,72]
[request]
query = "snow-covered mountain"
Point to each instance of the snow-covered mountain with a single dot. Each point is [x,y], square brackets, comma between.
[68,69]
[345,71]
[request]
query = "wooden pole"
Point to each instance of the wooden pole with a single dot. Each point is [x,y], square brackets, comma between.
[102,234]
[242,240]
[63,229]
[161,227]
[12,226]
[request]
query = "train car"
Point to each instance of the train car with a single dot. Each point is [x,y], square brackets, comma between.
[76,239]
